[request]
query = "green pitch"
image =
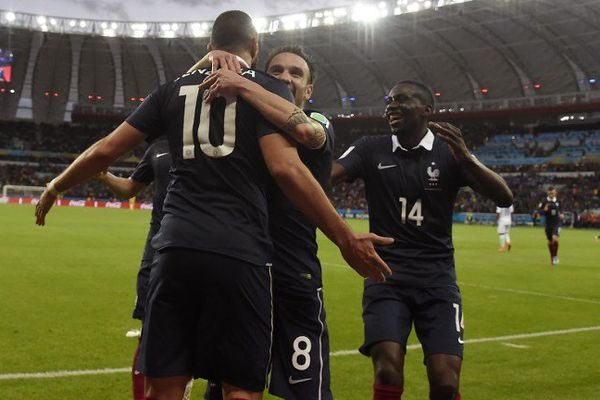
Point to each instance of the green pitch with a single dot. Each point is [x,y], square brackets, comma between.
[67,291]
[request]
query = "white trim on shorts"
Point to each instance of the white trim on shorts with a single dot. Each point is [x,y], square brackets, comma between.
[319,294]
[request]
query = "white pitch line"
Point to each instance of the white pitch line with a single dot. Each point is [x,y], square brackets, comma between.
[61,374]
[499,289]
[516,346]
[339,353]
[528,292]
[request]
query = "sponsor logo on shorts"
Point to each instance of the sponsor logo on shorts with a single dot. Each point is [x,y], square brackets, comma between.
[292,381]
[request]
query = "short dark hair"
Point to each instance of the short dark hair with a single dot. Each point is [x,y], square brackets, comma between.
[551,188]
[300,52]
[424,93]
[233,30]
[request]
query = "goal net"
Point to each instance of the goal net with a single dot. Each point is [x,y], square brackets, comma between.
[22,191]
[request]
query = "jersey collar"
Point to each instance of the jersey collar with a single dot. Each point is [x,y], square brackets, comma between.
[426,142]
[553,199]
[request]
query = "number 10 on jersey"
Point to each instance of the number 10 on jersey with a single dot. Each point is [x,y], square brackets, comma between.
[190,93]
[415,213]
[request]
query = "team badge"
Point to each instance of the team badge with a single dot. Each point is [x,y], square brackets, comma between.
[434,176]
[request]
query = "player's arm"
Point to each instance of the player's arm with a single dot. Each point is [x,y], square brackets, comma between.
[98,157]
[298,184]
[121,187]
[280,112]
[482,179]
[339,173]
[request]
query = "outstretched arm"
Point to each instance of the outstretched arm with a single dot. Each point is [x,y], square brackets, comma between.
[482,179]
[298,184]
[98,157]
[121,187]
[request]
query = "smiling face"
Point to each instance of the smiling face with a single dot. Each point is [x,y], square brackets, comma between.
[294,71]
[406,110]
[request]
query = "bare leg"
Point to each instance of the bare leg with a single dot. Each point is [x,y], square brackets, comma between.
[443,371]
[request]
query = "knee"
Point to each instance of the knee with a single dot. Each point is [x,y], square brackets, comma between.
[444,391]
[445,387]
[388,372]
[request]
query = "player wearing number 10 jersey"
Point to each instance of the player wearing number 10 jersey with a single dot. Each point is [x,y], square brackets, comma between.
[411,181]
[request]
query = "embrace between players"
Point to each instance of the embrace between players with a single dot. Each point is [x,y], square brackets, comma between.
[235,287]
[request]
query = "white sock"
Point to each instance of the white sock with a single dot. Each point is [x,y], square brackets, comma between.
[502,239]
[507,238]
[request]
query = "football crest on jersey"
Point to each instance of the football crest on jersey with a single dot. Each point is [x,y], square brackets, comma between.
[433,174]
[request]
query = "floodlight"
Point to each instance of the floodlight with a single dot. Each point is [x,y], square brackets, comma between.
[41,20]
[82,24]
[72,23]
[365,13]
[261,24]
[413,7]
[10,16]
[340,12]
[114,25]
[53,22]
[109,32]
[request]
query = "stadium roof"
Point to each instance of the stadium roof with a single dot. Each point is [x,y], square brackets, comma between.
[483,53]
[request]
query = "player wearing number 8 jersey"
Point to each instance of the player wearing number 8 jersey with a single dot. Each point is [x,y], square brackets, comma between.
[411,181]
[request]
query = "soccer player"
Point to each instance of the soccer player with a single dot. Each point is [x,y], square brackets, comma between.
[504,221]
[550,208]
[214,252]
[411,180]
[300,360]
[153,167]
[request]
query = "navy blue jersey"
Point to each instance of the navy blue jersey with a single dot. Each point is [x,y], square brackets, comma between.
[295,262]
[552,213]
[217,197]
[154,167]
[410,195]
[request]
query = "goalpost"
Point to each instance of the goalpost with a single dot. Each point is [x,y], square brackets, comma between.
[22,191]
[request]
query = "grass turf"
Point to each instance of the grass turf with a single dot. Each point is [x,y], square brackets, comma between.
[67,292]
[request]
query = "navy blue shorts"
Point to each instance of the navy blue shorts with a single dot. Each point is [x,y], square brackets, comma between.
[390,310]
[143,280]
[208,316]
[552,230]
[300,369]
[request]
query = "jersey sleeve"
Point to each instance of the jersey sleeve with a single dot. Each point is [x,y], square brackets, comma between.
[327,127]
[144,173]
[498,210]
[354,159]
[147,117]
[263,126]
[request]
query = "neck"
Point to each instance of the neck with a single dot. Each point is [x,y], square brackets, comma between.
[408,140]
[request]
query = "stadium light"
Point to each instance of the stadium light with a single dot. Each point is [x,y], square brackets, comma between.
[109,33]
[72,23]
[261,24]
[10,16]
[53,21]
[592,81]
[104,25]
[365,13]
[82,24]
[413,7]
[41,20]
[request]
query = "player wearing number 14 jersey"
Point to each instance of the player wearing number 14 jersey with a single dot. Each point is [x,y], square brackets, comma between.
[411,181]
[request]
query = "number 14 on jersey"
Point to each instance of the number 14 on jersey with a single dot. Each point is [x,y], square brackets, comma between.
[415,213]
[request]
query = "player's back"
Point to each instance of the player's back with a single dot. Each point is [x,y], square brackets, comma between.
[216,199]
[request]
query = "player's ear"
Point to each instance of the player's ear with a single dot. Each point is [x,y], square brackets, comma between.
[254,47]
[209,46]
[308,91]
[428,110]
